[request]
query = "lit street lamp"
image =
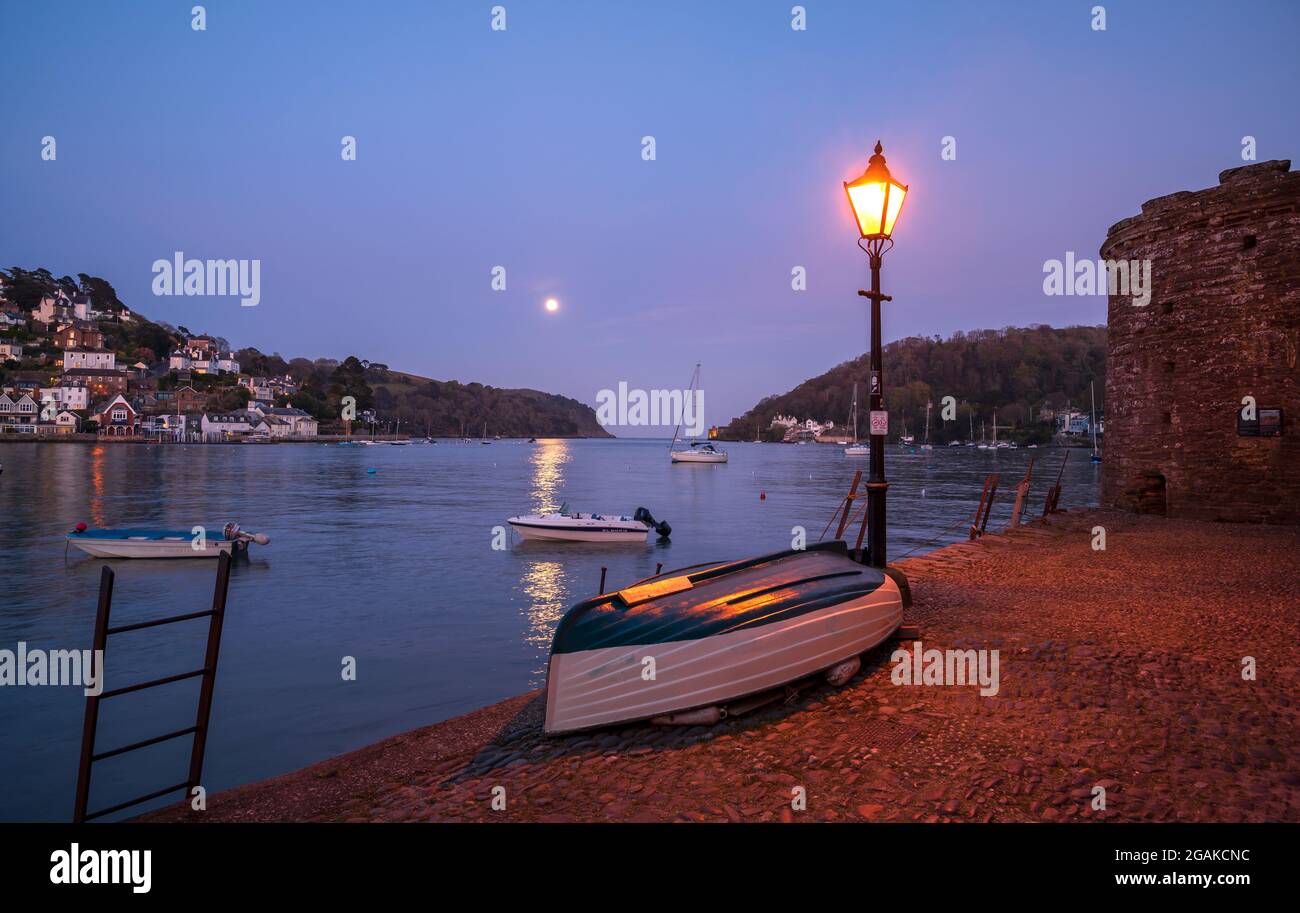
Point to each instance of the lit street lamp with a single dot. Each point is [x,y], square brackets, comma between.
[876,199]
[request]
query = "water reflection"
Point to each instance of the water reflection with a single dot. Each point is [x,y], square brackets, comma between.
[548,474]
[548,598]
[97,486]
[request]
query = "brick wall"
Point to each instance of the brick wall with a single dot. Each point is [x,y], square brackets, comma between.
[1223,323]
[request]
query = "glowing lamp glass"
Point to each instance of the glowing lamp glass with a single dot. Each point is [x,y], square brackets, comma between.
[876,199]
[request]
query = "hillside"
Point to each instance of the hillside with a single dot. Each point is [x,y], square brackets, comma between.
[445,408]
[1017,371]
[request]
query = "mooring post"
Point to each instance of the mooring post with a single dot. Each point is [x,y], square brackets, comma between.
[1022,490]
[603,569]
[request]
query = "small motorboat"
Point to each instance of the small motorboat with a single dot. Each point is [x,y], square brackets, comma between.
[717,633]
[858,450]
[700,452]
[163,543]
[570,526]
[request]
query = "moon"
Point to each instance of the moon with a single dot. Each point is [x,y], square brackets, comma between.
[552,305]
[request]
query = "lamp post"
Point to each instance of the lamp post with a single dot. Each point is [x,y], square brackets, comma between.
[876,200]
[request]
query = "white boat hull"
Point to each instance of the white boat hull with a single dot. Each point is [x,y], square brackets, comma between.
[694,456]
[569,534]
[152,548]
[603,686]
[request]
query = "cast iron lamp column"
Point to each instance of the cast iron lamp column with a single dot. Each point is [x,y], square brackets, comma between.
[876,199]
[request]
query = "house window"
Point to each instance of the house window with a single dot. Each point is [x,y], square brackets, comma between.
[119,415]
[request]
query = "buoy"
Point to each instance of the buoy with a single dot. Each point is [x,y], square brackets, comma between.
[81,527]
[370,471]
[762,496]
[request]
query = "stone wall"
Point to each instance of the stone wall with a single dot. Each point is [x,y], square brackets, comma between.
[1223,323]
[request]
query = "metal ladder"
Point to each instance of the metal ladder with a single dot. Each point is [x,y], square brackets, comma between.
[216,616]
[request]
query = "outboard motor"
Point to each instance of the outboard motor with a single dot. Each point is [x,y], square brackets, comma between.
[662,528]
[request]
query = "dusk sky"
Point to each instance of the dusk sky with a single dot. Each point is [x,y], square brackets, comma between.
[523,148]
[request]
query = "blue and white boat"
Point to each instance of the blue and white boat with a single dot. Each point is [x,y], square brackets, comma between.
[197,542]
[718,633]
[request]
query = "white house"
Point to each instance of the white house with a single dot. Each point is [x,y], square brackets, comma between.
[66,422]
[20,411]
[10,350]
[217,425]
[68,396]
[89,358]
[287,421]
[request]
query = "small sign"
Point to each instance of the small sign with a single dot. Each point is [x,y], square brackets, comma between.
[875,383]
[1268,424]
[879,422]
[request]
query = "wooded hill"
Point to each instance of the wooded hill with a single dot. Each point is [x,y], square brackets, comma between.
[1017,371]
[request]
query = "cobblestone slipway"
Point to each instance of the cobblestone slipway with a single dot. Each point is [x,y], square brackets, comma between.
[1119,668]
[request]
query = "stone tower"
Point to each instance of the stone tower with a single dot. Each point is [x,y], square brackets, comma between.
[1222,324]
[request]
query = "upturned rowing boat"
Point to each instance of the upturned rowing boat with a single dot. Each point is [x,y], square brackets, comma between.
[698,638]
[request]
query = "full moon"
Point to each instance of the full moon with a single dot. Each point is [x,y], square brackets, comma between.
[552,305]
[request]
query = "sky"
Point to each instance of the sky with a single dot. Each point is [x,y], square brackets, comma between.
[523,148]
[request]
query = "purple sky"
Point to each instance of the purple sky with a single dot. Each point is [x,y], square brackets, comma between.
[522,148]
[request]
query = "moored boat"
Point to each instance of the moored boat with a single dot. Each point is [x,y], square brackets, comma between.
[716,634]
[198,542]
[570,526]
[700,452]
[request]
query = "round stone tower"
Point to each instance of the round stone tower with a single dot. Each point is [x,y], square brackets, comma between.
[1202,387]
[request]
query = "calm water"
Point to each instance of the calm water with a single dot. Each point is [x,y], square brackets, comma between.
[395,569]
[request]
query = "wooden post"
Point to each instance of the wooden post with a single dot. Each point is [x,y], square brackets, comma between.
[848,506]
[1022,490]
[988,509]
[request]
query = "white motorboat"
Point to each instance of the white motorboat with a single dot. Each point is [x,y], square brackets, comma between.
[717,633]
[570,526]
[199,542]
[700,452]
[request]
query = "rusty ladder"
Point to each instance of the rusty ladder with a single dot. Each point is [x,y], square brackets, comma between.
[216,616]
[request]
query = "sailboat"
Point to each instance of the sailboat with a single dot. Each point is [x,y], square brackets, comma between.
[699,451]
[856,448]
[485,439]
[927,445]
[998,445]
[1092,423]
[983,445]
[971,441]
[905,439]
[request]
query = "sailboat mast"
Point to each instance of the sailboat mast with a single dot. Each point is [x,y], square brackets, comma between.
[1092,422]
[695,379]
[855,413]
